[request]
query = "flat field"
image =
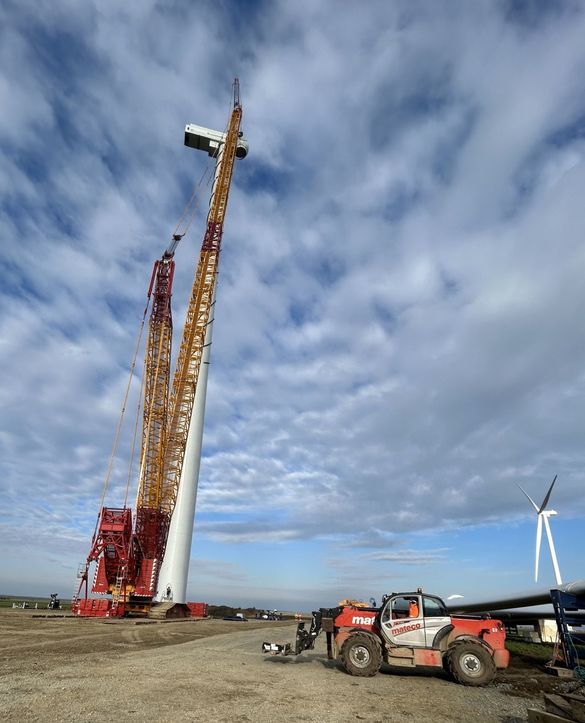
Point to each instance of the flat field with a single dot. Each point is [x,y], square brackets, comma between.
[70,669]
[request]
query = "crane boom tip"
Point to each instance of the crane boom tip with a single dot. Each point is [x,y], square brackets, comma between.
[236,93]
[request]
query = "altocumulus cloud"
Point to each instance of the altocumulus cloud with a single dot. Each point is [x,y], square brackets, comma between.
[399,332]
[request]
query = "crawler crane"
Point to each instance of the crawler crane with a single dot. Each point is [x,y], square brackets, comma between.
[128,549]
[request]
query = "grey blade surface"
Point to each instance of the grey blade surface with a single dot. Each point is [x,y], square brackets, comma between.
[546,499]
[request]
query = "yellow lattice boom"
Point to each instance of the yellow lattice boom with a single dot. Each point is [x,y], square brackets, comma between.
[198,312]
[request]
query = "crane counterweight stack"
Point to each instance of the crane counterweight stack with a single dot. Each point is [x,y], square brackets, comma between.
[128,551]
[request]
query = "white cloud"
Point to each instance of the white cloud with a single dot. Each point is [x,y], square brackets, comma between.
[409,557]
[399,311]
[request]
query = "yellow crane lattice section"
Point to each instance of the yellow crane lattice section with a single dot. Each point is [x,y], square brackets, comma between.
[198,312]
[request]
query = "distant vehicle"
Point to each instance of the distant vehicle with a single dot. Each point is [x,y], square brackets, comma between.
[237,617]
[268,615]
[54,602]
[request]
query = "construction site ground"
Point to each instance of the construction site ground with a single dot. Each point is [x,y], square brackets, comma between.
[71,669]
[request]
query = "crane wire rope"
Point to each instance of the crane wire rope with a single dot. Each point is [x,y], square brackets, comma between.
[121,417]
[188,213]
[133,447]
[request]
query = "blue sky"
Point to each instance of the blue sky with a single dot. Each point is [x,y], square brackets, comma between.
[399,333]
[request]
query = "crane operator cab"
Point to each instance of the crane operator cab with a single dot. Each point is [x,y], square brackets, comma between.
[414,620]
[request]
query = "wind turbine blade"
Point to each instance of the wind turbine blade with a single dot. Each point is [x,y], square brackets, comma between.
[530,498]
[553,554]
[546,499]
[538,541]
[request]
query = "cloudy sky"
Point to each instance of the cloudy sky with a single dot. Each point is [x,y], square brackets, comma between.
[399,333]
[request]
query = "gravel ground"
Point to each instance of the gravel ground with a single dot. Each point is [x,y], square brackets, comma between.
[85,670]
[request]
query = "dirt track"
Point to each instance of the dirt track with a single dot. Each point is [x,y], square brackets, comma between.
[68,669]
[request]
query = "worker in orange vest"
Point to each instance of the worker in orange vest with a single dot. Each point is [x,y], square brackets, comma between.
[413,608]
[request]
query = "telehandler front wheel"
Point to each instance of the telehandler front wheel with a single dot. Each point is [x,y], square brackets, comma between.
[470,663]
[361,655]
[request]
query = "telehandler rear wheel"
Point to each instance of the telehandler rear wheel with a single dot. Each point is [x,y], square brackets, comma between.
[361,655]
[470,663]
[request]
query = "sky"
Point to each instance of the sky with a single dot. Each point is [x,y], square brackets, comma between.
[399,338]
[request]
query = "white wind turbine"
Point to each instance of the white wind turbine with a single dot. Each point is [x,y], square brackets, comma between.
[543,514]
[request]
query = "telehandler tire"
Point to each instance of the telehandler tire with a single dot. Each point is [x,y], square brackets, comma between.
[470,663]
[361,655]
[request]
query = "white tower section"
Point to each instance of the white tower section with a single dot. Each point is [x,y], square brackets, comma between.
[174,571]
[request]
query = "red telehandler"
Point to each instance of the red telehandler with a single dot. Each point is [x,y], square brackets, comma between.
[409,630]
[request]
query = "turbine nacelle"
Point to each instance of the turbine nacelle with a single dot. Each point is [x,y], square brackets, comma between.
[208,140]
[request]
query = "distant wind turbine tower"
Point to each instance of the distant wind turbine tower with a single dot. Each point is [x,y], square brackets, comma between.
[542,515]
